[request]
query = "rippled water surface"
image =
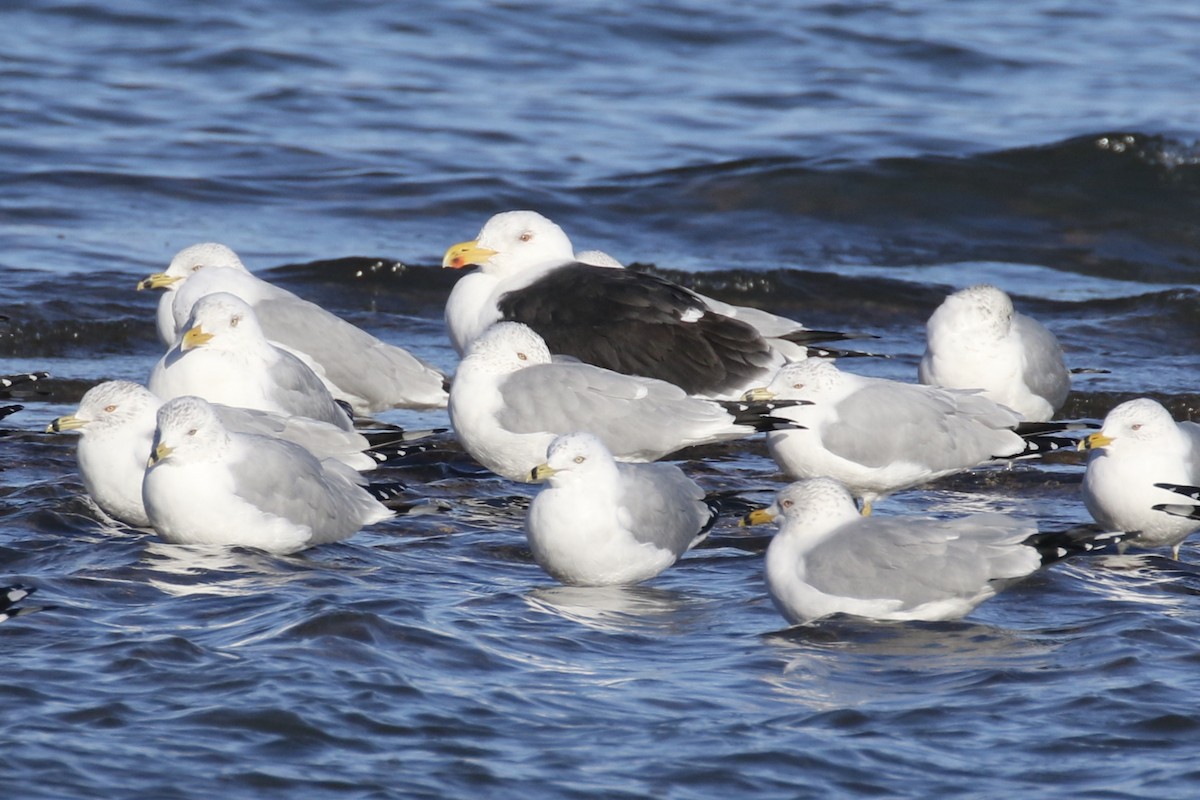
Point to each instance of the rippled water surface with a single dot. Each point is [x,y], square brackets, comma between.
[844,163]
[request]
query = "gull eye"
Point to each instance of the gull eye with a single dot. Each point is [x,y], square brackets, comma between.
[197,267]
[580,459]
[192,432]
[234,320]
[1137,426]
[797,385]
[786,504]
[526,236]
[110,408]
[522,356]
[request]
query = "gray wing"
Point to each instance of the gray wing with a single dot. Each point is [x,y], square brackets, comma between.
[319,438]
[628,413]
[662,506]
[298,390]
[883,423]
[1046,372]
[284,479]
[921,560]
[353,359]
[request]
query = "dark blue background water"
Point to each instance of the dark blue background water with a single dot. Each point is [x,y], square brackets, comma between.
[844,163]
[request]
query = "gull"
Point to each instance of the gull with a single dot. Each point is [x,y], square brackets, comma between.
[370,374]
[205,484]
[977,340]
[623,320]
[509,400]
[1138,447]
[602,523]
[116,420]
[828,559]
[879,436]
[225,358]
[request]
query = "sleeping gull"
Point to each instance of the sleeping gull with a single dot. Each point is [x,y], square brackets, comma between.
[977,340]
[828,559]
[880,436]
[116,420]
[225,358]
[509,400]
[623,320]
[207,485]
[1138,446]
[600,523]
[370,374]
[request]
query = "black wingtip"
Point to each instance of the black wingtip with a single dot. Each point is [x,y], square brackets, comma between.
[1089,538]
[1190,492]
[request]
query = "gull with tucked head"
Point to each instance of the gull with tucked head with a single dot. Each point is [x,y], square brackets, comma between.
[205,484]
[601,523]
[977,340]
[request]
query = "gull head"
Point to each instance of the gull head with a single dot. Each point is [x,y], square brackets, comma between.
[512,242]
[188,431]
[109,405]
[574,457]
[189,261]
[220,320]
[1135,423]
[507,347]
[808,503]
[801,380]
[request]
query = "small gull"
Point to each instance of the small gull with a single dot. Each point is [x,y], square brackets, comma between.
[1138,446]
[371,374]
[828,559]
[509,400]
[116,421]
[206,484]
[627,321]
[225,358]
[879,436]
[977,340]
[601,523]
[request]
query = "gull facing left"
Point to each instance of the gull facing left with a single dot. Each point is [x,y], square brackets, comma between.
[208,485]
[828,559]
[600,523]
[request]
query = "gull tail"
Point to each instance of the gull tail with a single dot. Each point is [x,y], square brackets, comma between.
[807,336]
[816,351]
[1180,509]
[1037,445]
[758,413]
[1056,545]
[11,595]
[393,453]
[6,410]
[8,381]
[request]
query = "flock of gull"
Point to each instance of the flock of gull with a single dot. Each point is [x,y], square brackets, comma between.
[254,428]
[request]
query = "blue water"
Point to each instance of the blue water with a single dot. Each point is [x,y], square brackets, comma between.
[843,163]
